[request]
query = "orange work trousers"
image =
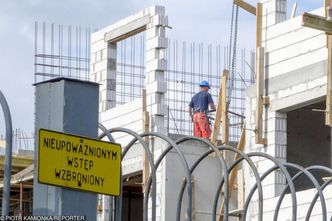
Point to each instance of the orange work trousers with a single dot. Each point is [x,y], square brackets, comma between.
[201,125]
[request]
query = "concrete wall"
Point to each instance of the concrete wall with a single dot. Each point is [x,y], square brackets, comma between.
[274,12]
[289,46]
[304,199]
[128,115]
[152,20]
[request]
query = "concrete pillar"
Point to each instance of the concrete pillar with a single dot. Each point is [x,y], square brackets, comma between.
[156,65]
[69,106]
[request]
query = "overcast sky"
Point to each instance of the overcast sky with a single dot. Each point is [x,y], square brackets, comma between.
[192,20]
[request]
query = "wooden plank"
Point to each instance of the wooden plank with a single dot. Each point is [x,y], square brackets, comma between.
[216,126]
[266,100]
[293,13]
[240,189]
[328,118]
[18,161]
[327,3]
[246,6]
[259,95]
[259,24]
[316,22]
[146,123]
[224,114]
[233,173]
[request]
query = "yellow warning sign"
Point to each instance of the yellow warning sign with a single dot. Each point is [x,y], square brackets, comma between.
[79,162]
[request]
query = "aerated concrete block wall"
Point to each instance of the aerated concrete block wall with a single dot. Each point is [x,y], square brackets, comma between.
[274,12]
[153,21]
[295,76]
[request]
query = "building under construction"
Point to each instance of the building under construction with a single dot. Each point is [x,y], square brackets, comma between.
[273,104]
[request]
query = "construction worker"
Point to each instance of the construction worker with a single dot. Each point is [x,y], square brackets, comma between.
[198,109]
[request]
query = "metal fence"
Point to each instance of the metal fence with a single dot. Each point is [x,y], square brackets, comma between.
[226,168]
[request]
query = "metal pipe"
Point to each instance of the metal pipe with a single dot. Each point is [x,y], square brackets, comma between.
[153,170]
[301,172]
[184,164]
[255,172]
[8,156]
[21,198]
[288,178]
[321,168]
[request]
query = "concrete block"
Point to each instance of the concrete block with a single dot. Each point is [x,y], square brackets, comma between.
[111,74]
[92,77]
[96,36]
[317,82]
[299,100]
[103,86]
[112,51]
[98,56]
[159,20]
[122,109]
[156,42]
[155,76]
[156,87]
[108,95]
[280,137]
[99,78]
[297,48]
[155,31]
[155,53]
[157,109]
[131,24]
[156,65]
[111,84]
[299,88]
[288,26]
[269,19]
[92,58]
[290,38]
[127,119]
[100,66]
[297,62]
[103,75]
[98,46]
[106,105]
[156,9]
[156,98]
[281,124]
[111,64]
[280,151]
[152,54]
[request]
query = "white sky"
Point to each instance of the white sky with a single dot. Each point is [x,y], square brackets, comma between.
[192,20]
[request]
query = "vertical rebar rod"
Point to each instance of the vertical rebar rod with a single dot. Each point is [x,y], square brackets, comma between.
[8,156]
[44,48]
[79,50]
[69,50]
[36,48]
[52,49]
[76,51]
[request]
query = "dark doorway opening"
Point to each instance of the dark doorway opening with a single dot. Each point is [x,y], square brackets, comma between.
[308,141]
[132,199]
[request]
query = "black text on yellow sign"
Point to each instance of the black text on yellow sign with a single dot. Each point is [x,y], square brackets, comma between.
[79,162]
